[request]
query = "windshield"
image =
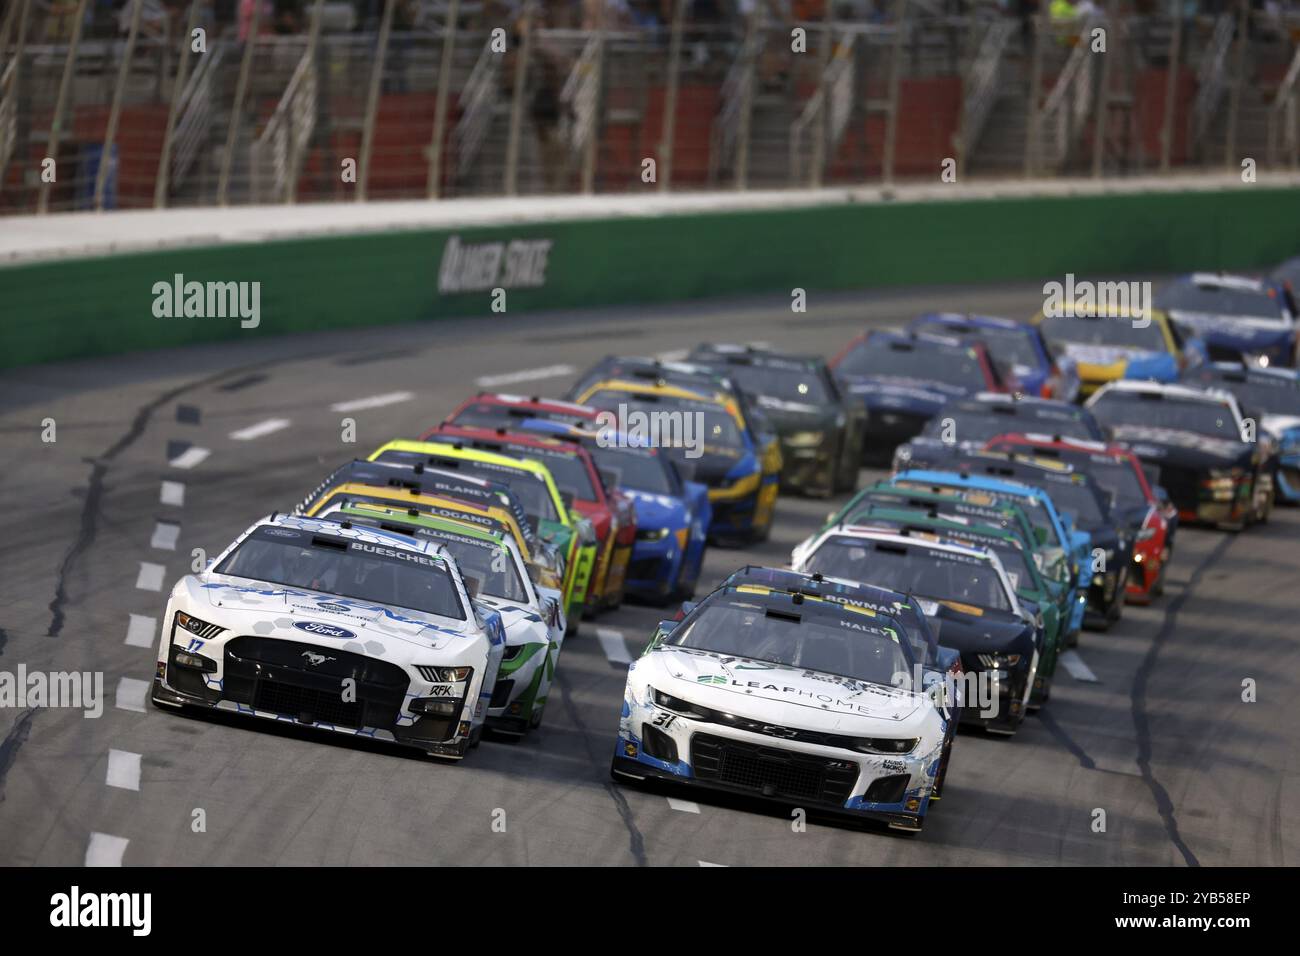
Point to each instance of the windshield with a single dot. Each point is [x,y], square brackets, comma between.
[926,572]
[529,488]
[972,427]
[1190,297]
[1116,409]
[374,573]
[493,565]
[955,365]
[1008,346]
[569,472]
[1033,507]
[1106,331]
[852,645]
[1280,396]
[637,469]
[1078,497]
[803,385]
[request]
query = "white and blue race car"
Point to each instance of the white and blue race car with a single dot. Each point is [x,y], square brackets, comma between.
[351,629]
[782,686]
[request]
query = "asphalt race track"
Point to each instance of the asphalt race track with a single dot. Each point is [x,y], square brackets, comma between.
[1147,725]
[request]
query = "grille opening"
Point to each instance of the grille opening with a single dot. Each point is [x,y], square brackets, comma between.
[888,789]
[771,771]
[655,743]
[307,705]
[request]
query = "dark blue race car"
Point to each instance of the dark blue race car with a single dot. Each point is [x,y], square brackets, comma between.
[1017,348]
[1240,319]
[904,378]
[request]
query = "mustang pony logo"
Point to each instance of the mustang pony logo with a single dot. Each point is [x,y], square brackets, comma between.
[316,660]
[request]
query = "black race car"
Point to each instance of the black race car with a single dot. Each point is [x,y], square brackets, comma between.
[820,429]
[1216,463]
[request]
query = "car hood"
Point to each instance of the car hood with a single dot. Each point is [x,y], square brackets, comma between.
[977,633]
[1177,447]
[657,511]
[788,696]
[252,607]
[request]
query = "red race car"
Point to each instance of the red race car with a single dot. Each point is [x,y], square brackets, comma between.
[611,513]
[1148,516]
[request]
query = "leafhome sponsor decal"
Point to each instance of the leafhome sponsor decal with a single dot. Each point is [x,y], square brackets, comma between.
[74,909]
[517,264]
[72,689]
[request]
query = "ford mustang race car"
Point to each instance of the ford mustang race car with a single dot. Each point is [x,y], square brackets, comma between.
[904,379]
[821,430]
[1239,319]
[355,630]
[969,599]
[780,693]
[672,515]
[1216,468]
[1145,511]
[1017,348]
[611,514]
[1112,343]
[971,422]
[1274,395]
[741,473]
[495,573]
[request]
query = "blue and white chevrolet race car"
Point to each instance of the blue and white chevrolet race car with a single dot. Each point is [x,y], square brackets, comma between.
[356,630]
[774,687]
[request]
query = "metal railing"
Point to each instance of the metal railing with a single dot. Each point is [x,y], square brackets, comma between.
[1069,104]
[1283,122]
[1211,77]
[277,153]
[835,95]
[479,100]
[726,104]
[981,85]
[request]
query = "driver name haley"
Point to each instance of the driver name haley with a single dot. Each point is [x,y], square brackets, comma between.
[717,701]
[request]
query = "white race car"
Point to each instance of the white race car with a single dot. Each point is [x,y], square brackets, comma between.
[495,571]
[780,685]
[356,630]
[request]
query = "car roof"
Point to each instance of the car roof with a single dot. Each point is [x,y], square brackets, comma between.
[363,533]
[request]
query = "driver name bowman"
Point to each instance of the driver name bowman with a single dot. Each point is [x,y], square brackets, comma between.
[344,628]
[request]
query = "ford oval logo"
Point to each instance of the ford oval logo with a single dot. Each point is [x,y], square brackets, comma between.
[324,630]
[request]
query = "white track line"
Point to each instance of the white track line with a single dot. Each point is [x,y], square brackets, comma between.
[131,694]
[165,534]
[150,577]
[527,375]
[612,643]
[673,355]
[190,458]
[268,427]
[372,401]
[172,493]
[142,631]
[706,863]
[1073,663]
[105,850]
[123,770]
[685,806]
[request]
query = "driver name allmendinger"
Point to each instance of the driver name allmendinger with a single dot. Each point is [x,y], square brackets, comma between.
[356,630]
[787,697]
